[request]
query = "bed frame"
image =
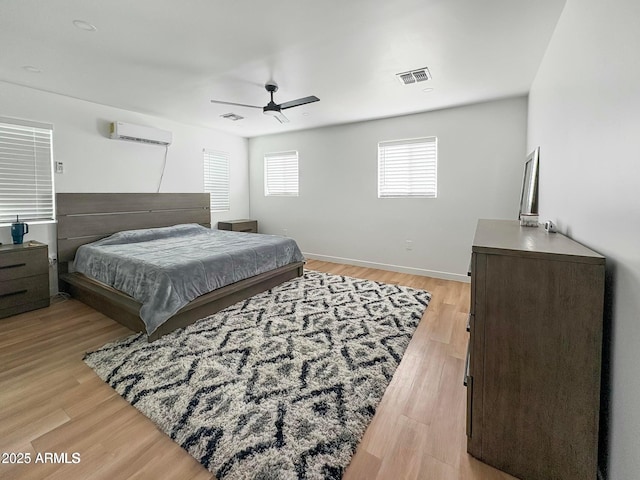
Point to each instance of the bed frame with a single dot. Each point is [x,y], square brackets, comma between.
[87,217]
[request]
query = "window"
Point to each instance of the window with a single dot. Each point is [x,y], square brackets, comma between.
[216,179]
[281,174]
[26,171]
[408,168]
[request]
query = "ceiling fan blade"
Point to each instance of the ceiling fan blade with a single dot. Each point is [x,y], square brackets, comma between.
[235,104]
[298,102]
[281,118]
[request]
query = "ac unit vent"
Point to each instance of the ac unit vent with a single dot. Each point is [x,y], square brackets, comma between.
[232,116]
[414,76]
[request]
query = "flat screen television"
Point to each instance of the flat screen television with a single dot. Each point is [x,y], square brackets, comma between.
[529,195]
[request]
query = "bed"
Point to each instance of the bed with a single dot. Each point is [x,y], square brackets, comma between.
[86,218]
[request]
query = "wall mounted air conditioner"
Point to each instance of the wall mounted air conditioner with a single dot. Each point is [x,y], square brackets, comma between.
[138,133]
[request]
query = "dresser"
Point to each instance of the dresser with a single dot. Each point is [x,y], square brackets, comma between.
[244,225]
[534,355]
[24,278]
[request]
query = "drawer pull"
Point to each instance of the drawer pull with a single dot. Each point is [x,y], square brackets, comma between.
[11,294]
[16,265]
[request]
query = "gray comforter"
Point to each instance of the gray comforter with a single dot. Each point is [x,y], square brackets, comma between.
[166,268]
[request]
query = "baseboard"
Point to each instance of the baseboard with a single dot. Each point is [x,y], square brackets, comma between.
[393,268]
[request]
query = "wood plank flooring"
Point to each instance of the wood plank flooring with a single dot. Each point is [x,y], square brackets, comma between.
[50,401]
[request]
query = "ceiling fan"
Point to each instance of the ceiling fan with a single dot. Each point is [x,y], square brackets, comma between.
[272,108]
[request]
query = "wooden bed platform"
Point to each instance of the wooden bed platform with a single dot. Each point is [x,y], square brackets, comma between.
[87,217]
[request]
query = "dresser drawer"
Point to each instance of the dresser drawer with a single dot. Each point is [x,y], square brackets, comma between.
[23,294]
[23,263]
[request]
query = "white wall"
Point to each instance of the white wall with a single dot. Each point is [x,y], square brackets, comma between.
[481,152]
[95,163]
[584,112]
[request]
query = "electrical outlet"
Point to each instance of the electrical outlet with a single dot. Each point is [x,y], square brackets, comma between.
[409,244]
[59,167]
[285,232]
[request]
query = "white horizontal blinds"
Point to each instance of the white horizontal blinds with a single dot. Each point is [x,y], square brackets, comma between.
[216,179]
[408,168]
[281,174]
[26,179]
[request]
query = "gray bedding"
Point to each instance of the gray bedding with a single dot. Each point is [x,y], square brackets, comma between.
[166,268]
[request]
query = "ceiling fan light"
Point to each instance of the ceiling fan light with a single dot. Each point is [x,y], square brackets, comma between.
[273,113]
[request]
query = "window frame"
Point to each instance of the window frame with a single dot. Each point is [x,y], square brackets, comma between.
[38,131]
[430,184]
[282,157]
[210,182]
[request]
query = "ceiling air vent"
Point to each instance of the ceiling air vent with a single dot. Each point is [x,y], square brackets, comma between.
[414,76]
[232,116]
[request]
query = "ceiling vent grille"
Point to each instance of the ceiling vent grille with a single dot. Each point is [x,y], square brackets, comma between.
[414,76]
[232,116]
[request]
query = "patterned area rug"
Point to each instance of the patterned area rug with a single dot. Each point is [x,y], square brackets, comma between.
[280,386]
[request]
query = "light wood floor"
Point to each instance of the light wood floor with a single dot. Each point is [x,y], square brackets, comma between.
[50,401]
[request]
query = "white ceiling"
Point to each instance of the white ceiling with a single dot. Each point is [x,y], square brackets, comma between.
[169,58]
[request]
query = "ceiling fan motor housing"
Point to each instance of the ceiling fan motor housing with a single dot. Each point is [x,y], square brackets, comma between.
[271,109]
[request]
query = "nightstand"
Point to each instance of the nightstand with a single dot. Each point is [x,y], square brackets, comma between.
[243,225]
[24,278]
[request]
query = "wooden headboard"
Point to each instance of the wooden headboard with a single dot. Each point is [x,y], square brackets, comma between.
[87,217]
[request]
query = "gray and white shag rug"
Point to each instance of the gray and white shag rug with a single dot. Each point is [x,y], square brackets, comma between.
[280,386]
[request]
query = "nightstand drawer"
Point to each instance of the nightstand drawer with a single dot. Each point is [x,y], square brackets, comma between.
[23,294]
[249,226]
[23,263]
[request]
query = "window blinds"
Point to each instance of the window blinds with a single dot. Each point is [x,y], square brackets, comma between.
[408,168]
[281,174]
[216,179]
[26,171]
